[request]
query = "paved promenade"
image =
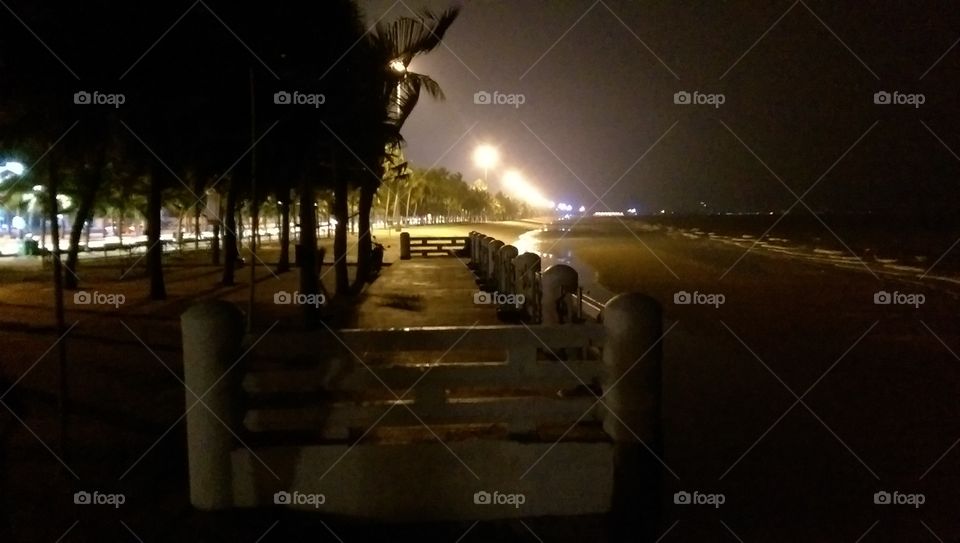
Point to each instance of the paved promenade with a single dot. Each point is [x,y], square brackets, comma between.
[431,291]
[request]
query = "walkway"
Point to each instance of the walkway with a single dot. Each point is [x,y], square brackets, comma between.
[437,291]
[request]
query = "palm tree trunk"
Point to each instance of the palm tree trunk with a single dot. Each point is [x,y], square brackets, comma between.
[341,211]
[386,208]
[230,234]
[309,282]
[396,208]
[180,230]
[197,211]
[158,290]
[215,244]
[365,242]
[283,264]
[84,211]
[62,396]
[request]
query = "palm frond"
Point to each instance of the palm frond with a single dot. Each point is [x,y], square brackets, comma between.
[406,37]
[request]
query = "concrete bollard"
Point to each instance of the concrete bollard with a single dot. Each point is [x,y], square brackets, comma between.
[472,247]
[632,389]
[482,254]
[493,249]
[557,282]
[405,246]
[212,336]
[526,268]
[505,275]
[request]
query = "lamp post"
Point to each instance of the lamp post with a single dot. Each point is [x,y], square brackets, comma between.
[486,157]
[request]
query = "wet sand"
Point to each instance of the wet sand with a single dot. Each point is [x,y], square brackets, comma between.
[879,406]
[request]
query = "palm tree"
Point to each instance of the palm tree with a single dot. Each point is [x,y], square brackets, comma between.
[394,46]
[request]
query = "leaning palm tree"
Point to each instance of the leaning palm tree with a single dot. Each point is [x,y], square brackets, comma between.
[395,45]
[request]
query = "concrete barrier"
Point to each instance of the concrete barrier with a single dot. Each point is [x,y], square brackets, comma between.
[526,281]
[557,282]
[632,385]
[212,335]
[490,275]
[615,474]
[505,272]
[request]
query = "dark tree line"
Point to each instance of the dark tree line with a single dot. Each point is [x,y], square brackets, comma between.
[199,111]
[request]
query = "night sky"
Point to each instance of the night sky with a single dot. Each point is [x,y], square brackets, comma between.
[797,79]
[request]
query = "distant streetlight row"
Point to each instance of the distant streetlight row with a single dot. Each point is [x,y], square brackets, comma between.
[487,156]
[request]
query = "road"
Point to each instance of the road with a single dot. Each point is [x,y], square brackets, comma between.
[798,397]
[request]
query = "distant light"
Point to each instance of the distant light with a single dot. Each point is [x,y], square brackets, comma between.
[663,211]
[486,156]
[583,209]
[608,213]
[398,66]
[18,223]
[632,211]
[15,168]
[516,184]
[37,188]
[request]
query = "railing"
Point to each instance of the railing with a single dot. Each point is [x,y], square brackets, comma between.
[401,424]
[428,246]
[588,309]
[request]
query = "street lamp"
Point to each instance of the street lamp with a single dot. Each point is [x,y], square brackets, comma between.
[486,157]
[10,169]
[517,184]
[400,69]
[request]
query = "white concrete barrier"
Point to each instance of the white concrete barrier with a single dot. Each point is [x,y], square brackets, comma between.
[212,334]
[505,275]
[526,273]
[557,282]
[415,480]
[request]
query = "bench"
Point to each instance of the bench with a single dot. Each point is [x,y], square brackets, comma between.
[431,246]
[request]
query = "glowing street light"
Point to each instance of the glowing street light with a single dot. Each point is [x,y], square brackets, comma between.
[515,183]
[486,157]
[398,66]
[15,168]
[400,69]
[11,169]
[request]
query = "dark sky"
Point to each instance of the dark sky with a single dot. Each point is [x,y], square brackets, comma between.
[798,80]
